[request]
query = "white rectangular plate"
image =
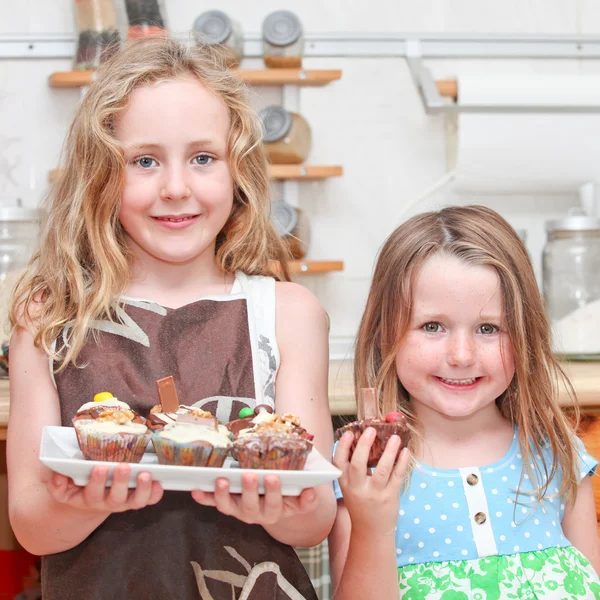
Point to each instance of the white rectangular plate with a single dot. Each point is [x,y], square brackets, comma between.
[60,452]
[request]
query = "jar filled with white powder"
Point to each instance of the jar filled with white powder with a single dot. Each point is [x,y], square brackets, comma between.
[571,278]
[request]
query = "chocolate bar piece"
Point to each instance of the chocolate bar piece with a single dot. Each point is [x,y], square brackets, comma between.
[370,407]
[168,394]
[211,423]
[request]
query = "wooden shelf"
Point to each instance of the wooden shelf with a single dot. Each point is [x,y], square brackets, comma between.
[313,267]
[289,76]
[279,172]
[447,88]
[310,267]
[313,77]
[311,172]
[70,79]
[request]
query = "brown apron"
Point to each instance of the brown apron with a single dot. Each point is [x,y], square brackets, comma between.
[176,549]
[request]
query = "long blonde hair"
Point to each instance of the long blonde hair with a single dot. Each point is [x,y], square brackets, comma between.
[478,236]
[82,265]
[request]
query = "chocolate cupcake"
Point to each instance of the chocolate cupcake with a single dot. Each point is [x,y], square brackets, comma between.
[192,441]
[274,442]
[109,430]
[393,424]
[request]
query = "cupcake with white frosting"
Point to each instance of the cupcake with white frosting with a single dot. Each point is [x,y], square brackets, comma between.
[110,430]
[192,441]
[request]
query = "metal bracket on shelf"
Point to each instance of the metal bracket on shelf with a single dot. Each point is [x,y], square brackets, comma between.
[357,45]
[434,103]
[416,49]
[430,96]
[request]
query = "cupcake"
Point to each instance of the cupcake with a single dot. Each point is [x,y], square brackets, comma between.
[275,442]
[109,430]
[192,441]
[394,423]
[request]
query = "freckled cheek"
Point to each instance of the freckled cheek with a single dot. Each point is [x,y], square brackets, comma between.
[415,365]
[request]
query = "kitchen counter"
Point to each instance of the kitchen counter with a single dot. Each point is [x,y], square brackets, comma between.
[585,378]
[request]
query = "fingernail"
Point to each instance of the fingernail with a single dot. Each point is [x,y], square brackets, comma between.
[348,435]
[310,496]
[56,480]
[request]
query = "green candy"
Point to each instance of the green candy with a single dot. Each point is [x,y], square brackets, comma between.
[246,412]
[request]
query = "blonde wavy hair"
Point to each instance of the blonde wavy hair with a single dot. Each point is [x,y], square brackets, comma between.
[82,265]
[478,236]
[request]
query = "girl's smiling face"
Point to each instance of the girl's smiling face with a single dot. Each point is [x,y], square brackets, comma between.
[455,359]
[178,190]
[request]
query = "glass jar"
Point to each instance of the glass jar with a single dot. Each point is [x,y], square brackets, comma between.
[215,27]
[98,34]
[287,138]
[571,280]
[145,18]
[292,226]
[18,233]
[283,40]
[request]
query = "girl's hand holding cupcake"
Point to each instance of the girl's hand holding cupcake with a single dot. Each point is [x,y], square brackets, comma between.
[95,496]
[373,500]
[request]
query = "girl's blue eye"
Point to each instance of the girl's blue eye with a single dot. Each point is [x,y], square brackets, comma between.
[487,329]
[432,327]
[145,162]
[203,159]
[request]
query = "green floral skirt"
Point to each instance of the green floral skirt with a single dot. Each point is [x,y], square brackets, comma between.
[552,574]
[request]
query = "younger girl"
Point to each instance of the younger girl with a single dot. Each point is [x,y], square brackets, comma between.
[496,502]
[155,261]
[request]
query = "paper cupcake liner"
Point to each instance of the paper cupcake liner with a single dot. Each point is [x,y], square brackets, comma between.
[383,430]
[195,454]
[274,452]
[112,447]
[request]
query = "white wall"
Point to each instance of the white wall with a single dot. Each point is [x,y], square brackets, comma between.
[371,121]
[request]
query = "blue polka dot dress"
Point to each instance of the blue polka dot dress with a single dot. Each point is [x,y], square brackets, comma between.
[465,534]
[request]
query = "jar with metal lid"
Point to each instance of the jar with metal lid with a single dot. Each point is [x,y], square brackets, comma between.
[98,33]
[287,138]
[291,224]
[145,18]
[283,40]
[215,27]
[571,280]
